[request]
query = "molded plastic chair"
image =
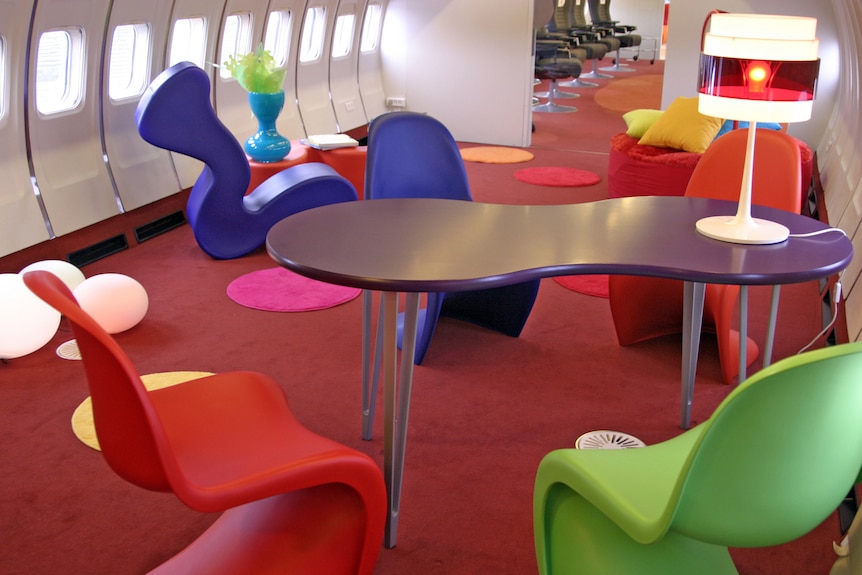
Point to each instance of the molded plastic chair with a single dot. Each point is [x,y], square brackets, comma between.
[412,155]
[293,501]
[644,308]
[775,459]
[175,113]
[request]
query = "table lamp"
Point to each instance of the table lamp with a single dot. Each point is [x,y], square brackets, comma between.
[755,68]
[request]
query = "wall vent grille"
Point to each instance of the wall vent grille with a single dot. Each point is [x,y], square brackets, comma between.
[98,251]
[159,226]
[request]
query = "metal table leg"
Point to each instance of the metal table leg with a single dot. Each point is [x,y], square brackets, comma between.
[773,318]
[743,333]
[396,401]
[691,325]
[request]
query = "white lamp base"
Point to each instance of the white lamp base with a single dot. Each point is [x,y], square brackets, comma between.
[752,231]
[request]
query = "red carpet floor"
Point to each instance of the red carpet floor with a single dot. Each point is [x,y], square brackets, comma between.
[485,407]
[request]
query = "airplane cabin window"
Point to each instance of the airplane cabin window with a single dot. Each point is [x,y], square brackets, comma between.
[188,41]
[371,28]
[342,38]
[277,38]
[130,51]
[311,42]
[236,39]
[60,71]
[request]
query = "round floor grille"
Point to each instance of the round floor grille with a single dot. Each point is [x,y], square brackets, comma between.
[69,350]
[604,439]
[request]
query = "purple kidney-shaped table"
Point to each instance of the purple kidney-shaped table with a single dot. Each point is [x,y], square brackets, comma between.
[430,245]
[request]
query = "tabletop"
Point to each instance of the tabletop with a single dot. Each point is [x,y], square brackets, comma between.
[427,245]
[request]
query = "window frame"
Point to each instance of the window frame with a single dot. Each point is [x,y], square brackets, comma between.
[138,64]
[313,35]
[74,71]
[188,51]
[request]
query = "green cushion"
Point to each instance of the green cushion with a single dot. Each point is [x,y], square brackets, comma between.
[639,121]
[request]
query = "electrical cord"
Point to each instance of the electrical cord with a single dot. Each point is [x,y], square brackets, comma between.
[836,298]
[819,233]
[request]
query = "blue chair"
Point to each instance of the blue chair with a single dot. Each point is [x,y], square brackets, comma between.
[412,155]
[175,113]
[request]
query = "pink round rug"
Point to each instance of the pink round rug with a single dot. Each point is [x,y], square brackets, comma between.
[595,284]
[278,289]
[557,177]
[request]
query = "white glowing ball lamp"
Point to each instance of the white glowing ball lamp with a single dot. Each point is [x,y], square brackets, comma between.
[69,274]
[116,301]
[26,322]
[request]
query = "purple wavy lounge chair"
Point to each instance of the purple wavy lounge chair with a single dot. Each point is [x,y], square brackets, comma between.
[175,113]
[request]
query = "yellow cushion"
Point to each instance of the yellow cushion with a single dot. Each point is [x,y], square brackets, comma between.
[682,127]
[639,121]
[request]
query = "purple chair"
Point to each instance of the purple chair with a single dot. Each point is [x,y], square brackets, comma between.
[412,155]
[175,113]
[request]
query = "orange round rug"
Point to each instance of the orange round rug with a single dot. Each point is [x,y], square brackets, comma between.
[631,93]
[495,155]
[557,177]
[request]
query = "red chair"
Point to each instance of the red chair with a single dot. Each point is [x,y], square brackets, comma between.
[292,501]
[644,308]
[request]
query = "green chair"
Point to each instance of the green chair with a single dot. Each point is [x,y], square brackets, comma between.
[774,460]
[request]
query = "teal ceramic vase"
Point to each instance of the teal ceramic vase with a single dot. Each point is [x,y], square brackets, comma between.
[267,145]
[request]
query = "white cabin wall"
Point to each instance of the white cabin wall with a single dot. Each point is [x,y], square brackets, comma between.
[835,128]
[21,219]
[685,24]
[839,155]
[467,63]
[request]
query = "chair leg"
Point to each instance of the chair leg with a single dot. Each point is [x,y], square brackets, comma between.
[578,83]
[551,105]
[594,73]
[617,67]
[555,92]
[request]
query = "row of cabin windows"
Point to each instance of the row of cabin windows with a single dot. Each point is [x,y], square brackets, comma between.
[60,58]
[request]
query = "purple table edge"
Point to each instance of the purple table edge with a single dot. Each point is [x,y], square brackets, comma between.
[385,245]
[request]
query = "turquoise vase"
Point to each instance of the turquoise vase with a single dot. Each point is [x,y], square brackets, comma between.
[267,145]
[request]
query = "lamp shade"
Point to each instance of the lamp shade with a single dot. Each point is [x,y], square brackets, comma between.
[757,67]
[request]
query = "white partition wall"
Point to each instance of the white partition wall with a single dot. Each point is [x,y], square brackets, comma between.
[135,50]
[196,25]
[65,141]
[467,63]
[344,66]
[312,70]
[281,36]
[21,219]
[370,63]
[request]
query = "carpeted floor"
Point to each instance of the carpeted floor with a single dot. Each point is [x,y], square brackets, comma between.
[485,407]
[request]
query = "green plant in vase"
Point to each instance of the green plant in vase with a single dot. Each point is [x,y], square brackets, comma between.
[259,75]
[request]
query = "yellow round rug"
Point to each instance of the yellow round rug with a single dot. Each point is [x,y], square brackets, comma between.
[495,155]
[82,418]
